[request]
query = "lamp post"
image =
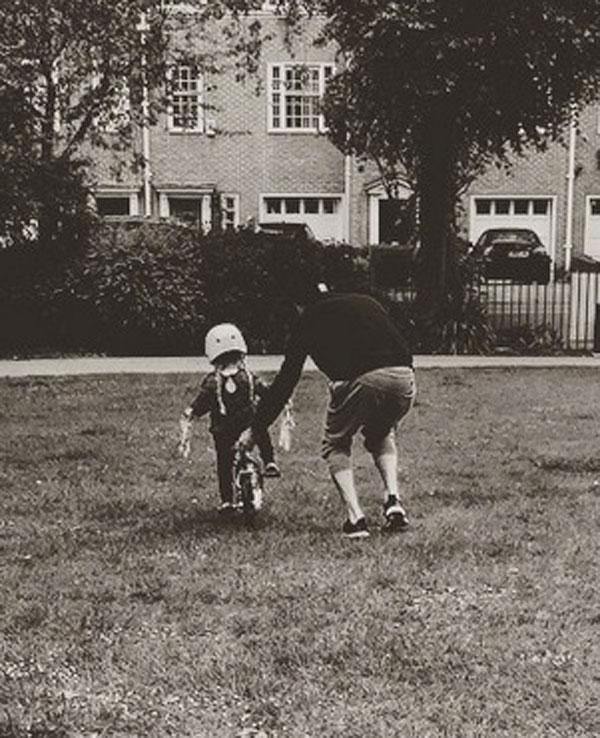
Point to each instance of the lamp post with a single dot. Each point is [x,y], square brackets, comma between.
[570,190]
[143,28]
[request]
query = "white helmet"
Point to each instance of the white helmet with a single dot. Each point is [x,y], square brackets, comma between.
[223,338]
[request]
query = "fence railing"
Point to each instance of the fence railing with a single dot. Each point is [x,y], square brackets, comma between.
[568,307]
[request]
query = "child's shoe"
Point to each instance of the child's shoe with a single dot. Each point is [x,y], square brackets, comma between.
[272,470]
[226,508]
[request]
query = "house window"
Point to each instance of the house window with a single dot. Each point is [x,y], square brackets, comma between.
[185,110]
[230,216]
[502,207]
[295,92]
[540,207]
[292,205]
[522,207]
[330,205]
[273,205]
[301,205]
[186,210]
[115,205]
[311,205]
[483,207]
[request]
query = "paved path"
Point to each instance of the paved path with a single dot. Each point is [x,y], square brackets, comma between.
[187,364]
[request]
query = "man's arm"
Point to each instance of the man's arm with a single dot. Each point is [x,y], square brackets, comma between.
[274,399]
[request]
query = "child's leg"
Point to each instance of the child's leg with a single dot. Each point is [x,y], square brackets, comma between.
[225,454]
[265,445]
[267,454]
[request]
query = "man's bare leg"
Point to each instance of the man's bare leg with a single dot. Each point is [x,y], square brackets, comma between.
[385,458]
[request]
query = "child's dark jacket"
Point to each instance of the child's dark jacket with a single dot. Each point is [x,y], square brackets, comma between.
[238,404]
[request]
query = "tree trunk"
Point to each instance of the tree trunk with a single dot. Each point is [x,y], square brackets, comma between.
[437,200]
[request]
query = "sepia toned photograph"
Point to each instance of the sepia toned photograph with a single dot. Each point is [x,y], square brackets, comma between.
[299,369]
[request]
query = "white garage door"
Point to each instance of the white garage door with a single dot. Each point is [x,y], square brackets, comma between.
[513,212]
[322,213]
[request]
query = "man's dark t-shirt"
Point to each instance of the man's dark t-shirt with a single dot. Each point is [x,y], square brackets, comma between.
[346,335]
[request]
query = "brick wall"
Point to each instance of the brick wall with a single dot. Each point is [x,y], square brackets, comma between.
[245,159]
[545,174]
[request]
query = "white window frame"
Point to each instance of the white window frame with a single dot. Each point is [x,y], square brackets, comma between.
[340,211]
[181,7]
[131,195]
[235,220]
[202,195]
[551,199]
[278,95]
[173,75]
[302,197]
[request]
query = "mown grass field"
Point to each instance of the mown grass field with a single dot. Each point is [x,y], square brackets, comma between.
[129,609]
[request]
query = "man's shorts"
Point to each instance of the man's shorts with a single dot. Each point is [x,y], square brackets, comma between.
[373,403]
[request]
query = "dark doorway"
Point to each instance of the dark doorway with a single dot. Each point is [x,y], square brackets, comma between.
[396,220]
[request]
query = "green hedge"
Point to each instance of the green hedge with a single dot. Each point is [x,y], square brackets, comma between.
[155,288]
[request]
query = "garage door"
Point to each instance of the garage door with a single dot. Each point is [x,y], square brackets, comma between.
[513,212]
[323,213]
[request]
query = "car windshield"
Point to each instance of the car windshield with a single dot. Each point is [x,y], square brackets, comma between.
[508,236]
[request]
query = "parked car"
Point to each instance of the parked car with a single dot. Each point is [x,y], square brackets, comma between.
[584,263]
[299,231]
[513,253]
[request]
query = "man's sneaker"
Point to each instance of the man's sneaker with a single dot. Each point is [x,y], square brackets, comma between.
[272,470]
[395,515]
[355,530]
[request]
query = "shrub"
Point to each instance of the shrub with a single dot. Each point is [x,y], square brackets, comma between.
[157,287]
[543,340]
[460,326]
[140,288]
[391,266]
[251,279]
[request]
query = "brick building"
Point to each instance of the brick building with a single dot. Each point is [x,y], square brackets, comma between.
[261,152]
[557,193]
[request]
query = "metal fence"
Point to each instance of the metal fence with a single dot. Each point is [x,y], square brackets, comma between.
[566,310]
[567,307]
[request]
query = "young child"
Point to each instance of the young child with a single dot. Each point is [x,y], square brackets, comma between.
[228,393]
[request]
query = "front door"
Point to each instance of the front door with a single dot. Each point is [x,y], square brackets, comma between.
[592,227]
[396,220]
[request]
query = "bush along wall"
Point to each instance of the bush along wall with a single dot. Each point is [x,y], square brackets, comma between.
[155,288]
[140,289]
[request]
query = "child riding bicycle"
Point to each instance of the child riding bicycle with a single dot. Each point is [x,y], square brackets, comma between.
[228,394]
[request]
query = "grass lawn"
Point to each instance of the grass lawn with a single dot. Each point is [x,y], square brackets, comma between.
[129,609]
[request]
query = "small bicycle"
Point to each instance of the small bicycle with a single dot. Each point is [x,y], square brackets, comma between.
[247,482]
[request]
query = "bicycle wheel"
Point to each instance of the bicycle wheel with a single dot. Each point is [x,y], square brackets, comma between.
[246,495]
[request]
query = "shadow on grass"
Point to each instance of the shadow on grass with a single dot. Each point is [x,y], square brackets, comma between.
[142,523]
[570,464]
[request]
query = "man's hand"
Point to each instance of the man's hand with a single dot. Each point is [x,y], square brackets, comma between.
[246,440]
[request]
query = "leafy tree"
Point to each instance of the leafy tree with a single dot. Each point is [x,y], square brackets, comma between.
[440,89]
[73,75]
[65,69]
